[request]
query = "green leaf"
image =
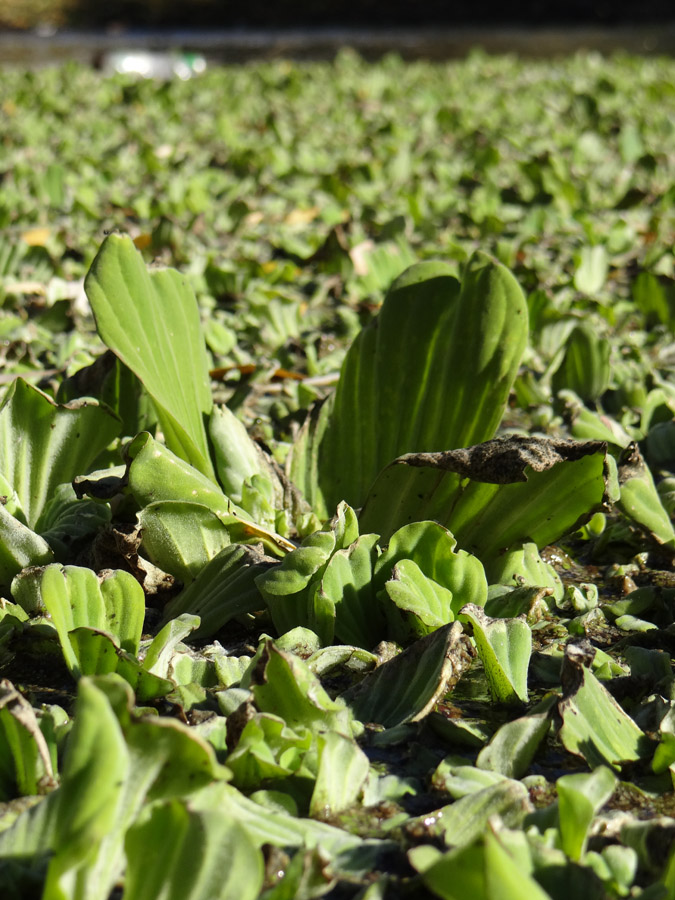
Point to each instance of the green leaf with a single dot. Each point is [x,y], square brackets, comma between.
[155,474]
[237,457]
[97,654]
[181,537]
[223,589]
[87,805]
[177,853]
[455,875]
[504,875]
[75,596]
[453,776]
[418,604]
[592,267]
[512,747]
[594,725]
[521,567]
[20,547]
[347,590]
[267,749]
[44,444]
[405,688]
[462,347]
[291,589]
[27,745]
[158,655]
[465,820]
[508,491]
[266,826]
[580,797]
[282,684]
[150,320]
[640,500]
[504,646]
[158,476]
[66,522]
[423,582]
[585,366]
[343,769]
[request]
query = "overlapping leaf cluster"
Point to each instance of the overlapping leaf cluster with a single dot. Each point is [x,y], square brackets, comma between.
[347,652]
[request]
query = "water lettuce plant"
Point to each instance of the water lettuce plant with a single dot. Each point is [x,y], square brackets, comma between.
[336,543]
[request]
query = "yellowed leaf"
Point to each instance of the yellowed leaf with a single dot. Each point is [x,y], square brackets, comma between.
[302,216]
[36,237]
[143,240]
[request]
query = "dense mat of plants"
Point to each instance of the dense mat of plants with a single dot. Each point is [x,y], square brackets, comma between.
[337,465]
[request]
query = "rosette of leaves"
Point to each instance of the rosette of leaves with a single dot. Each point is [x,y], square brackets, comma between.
[346,586]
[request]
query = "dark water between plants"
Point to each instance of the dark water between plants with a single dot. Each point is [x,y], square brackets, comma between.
[240,45]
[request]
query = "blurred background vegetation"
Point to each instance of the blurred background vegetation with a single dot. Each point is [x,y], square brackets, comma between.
[270,13]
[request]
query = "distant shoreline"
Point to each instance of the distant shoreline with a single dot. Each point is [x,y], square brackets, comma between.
[241,45]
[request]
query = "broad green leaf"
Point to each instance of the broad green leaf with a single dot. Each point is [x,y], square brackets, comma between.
[113,762]
[20,547]
[453,776]
[155,473]
[512,747]
[405,688]
[223,589]
[455,875]
[423,581]
[640,500]
[28,755]
[66,522]
[461,346]
[150,320]
[580,797]
[282,830]
[97,654]
[465,820]
[44,444]
[291,589]
[433,549]
[522,566]
[504,875]
[158,655]
[88,803]
[177,853]
[508,491]
[418,605]
[346,588]
[343,769]
[237,457]
[504,646]
[157,476]
[282,684]
[267,749]
[596,727]
[591,272]
[181,537]
[585,366]
[74,596]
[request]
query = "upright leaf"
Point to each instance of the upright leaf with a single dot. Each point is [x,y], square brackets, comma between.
[44,444]
[432,372]
[496,494]
[505,646]
[177,853]
[150,320]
